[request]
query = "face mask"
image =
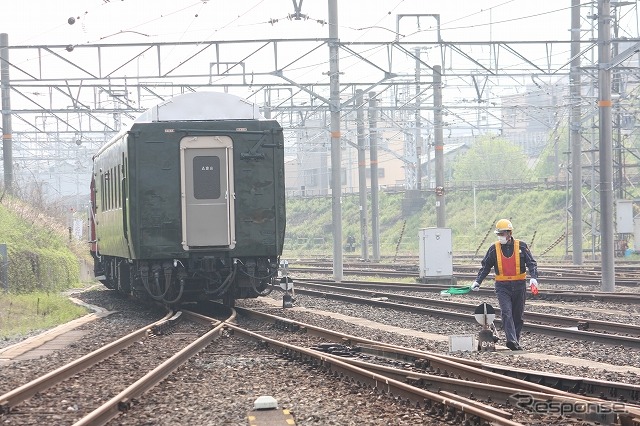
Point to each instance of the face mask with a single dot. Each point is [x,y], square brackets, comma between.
[502,239]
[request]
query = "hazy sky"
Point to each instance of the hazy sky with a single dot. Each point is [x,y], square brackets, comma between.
[45,22]
[114,21]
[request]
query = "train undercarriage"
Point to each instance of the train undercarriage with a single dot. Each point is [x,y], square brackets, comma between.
[172,281]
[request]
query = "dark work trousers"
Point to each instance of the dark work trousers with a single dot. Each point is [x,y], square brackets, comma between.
[511,297]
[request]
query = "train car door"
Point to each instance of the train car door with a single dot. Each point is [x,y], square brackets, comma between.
[207,192]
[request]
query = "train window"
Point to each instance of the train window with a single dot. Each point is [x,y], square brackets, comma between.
[114,189]
[112,182]
[114,186]
[102,191]
[108,190]
[118,187]
[107,194]
[125,161]
[108,177]
[206,177]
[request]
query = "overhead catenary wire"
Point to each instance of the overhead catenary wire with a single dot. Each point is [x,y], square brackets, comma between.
[402,122]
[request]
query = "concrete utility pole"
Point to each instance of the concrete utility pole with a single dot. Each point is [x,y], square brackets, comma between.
[418,123]
[373,160]
[7,141]
[605,148]
[336,157]
[362,174]
[438,146]
[575,135]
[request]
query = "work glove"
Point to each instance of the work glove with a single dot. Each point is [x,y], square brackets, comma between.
[475,286]
[533,285]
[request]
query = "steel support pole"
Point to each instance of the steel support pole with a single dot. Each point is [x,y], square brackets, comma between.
[438,146]
[7,141]
[605,148]
[373,160]
[575,134]
[618,145]
[362,174]
[336,157]
[418,122]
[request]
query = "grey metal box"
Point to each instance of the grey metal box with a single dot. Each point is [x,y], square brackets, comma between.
[436,256]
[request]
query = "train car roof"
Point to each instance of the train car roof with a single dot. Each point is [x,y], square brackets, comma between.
[199,106]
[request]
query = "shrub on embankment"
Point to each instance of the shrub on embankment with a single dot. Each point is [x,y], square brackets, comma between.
[41,257]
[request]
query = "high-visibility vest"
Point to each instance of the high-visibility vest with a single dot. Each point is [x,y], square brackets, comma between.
[509,267]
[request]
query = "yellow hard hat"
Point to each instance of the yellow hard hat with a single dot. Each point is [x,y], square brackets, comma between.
[503,225]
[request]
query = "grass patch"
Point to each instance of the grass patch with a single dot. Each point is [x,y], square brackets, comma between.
[539,218]
[23,313]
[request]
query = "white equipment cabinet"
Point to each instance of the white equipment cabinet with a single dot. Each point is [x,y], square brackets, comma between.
[436,255]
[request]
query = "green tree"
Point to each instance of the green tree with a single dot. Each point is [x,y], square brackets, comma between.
[491,159]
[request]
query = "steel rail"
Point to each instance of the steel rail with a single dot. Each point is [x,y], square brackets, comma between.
[623,270]
[388,273]
[457,387]
[444,366]
[437,362]
[52,378]
[412,263]
[377,381]
[609,339]
[604,389]
[546,294]
[606,326]
[122,402]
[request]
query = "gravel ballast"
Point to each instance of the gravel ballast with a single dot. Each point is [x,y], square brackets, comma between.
[219,386]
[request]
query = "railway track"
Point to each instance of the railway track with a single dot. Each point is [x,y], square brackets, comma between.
[70,392]
[572,328]
[626,298]
[626,276]
[445,407]
[547,280]
[447,387]
[622,264]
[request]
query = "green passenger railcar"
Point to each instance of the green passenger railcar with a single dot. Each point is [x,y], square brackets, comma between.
[189,202]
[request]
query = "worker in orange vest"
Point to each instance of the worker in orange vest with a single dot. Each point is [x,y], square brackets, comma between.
[510,276]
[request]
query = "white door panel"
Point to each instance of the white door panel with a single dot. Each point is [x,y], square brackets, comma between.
[207,192]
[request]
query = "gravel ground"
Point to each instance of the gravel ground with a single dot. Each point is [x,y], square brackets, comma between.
[126,317]
[219,386]
[530,342]
[67,402]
